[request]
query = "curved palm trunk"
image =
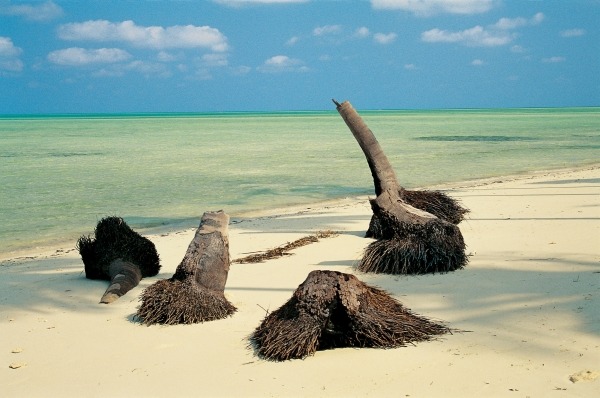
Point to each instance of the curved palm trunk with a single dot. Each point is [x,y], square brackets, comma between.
[411,240]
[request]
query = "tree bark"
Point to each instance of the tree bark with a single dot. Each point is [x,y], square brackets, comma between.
[331,309]
[386,183]
[416,241]
[124,277]
[195,293]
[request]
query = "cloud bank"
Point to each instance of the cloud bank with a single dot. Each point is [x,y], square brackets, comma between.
[76,56]
[432,7]
[498,34]
[33,12]
[156,37]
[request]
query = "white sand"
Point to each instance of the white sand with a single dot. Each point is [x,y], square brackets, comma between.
[529,299]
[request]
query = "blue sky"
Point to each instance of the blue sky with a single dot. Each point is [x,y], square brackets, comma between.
[268,55]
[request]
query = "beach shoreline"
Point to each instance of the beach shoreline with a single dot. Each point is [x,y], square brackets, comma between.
[528,304]
[67,246]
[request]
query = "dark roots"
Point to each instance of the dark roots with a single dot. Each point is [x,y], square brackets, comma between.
[331,309]
[434,202]
[173,301]
[114,239]
[435,246]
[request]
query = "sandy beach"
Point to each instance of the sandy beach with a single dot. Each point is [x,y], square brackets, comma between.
[528,304]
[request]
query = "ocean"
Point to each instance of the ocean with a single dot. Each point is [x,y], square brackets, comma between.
[60,174]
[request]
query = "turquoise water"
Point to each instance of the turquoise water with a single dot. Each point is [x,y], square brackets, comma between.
[60,174]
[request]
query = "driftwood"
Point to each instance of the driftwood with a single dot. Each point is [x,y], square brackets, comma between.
[195,293]
[118,254]
[331,309]
[411,241]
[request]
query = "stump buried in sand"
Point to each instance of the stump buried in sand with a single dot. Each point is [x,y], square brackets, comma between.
[331,309]
[410,240]
[118,254]
[195,293]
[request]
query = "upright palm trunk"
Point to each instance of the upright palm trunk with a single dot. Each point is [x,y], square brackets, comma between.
[195,293]
[411,241]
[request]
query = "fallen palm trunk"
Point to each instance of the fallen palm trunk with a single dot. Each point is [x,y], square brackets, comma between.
[118,254]
[195,293]
[331,309]
[411,241]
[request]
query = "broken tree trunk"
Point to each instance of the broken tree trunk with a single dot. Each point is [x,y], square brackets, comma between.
[331,309]
[411,241]
[118,254]
[195,293]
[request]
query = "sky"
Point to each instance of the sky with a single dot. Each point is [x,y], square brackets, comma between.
[120,56]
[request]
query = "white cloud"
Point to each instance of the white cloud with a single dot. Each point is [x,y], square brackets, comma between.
[241,70]
[147,69]
[432,7]
[8,49]
[327,29]
[513,23]
[494,35]
[383,38]
[476,36]
[572,32]
[553,60]
[282,63]
[178,36]
[9,56]
[76,56]
[410,67]
[165,56]
[292,40]
[240,3]
[215,60]
[477,62]
[517,49]
[33,12]
[362,32]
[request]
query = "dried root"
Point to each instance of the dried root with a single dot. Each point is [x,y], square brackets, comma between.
[331,309]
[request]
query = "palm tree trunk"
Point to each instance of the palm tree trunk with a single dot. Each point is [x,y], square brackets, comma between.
[411,241]
[195,293]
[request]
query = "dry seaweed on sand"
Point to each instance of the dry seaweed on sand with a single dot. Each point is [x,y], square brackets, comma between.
[284,250]
[195,293]
[331,309]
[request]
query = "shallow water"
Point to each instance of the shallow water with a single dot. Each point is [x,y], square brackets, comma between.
[60,174]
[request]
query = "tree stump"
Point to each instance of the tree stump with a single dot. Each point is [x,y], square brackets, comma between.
[195,293]
[411,241]
[117,254]
[331,309]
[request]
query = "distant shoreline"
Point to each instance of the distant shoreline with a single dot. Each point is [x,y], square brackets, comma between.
[294,209]
[246,113]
